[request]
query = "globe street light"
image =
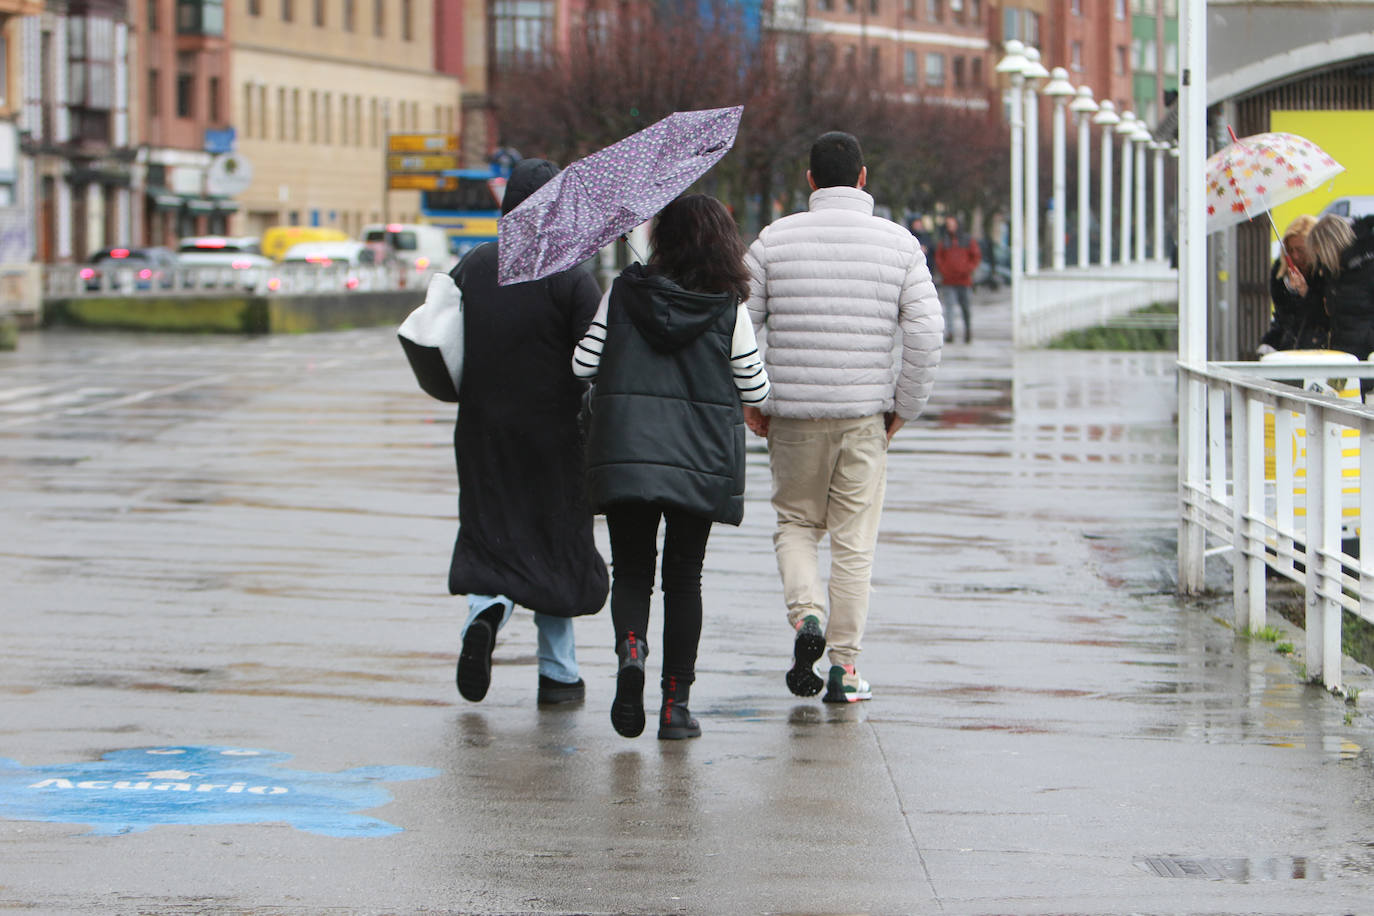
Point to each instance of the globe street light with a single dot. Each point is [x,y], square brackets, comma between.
[1125,129]
[1060,91]
[1108,119]
[1013,64]
[1083,107]
[1034,72]
[1142,138]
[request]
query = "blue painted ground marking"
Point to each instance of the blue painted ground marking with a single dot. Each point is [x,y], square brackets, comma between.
[131,790]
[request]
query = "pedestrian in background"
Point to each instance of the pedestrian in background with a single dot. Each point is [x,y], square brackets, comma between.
[525,527]
[673,355]
[1300,321]
[918,229]
[1344,258]
[836,287]
[957,256]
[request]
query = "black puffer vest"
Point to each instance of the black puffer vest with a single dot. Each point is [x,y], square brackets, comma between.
[666,425]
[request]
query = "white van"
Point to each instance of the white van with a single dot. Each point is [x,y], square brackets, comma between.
[420,246]
[1351,207]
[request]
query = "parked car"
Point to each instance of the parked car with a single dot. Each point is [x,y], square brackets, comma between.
[278,240]
[1351,207]
[125,269]
[341,261]
[217,251]
[419,246]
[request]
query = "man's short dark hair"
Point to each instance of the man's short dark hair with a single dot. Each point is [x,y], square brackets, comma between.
[836,160]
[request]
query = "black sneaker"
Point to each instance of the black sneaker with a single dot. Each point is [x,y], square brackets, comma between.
[474,662]
[803,680]
[552,692]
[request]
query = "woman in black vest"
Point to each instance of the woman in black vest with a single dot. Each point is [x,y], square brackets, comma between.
[673,354]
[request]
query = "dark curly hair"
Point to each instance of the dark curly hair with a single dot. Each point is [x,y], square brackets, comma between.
[697,245]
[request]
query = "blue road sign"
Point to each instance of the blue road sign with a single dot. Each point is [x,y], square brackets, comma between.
[129,791]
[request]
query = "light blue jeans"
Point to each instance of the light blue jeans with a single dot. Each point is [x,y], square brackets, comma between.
[556,650]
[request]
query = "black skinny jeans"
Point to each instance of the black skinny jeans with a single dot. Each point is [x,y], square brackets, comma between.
[634,547]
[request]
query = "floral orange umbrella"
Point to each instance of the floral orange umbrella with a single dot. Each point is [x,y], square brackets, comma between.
[1253,175]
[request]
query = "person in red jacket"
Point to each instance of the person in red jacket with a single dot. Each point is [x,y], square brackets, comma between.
[956,257]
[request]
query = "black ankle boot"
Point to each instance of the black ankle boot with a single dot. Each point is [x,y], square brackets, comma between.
[627,710]
[675,719]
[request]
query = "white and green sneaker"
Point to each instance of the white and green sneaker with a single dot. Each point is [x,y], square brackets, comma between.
[846,686]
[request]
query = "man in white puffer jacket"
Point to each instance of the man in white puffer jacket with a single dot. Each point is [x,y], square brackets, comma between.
[836,288]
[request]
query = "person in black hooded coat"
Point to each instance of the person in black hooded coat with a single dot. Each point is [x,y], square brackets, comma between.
[1344,255]
[525,526]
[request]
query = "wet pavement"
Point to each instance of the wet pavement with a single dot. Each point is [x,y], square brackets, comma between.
[227,556]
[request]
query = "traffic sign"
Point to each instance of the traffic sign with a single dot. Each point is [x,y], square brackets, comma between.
[418,181]
[422,143]
[421,163]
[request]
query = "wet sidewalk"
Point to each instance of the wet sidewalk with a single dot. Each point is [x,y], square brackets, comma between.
[224,564]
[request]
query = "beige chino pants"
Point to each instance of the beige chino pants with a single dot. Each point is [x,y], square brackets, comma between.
[829,476]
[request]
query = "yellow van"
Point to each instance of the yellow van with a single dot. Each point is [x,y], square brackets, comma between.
[277,240]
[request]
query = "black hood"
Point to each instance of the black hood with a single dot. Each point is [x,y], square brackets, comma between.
[528,176]
[667,315]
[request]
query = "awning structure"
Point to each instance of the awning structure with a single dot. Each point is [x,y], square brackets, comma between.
[164,199]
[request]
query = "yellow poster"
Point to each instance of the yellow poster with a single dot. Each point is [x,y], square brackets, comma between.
[1345,136]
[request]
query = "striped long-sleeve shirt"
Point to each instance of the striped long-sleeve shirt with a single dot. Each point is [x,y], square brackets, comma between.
[745,363]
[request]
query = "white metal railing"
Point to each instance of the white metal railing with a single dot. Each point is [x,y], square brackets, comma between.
[1278,487]
[1054,302]
[66,280]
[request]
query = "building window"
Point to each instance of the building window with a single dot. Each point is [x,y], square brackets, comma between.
[154,93]
[295,116]
[909,9]
[875,62]
[975,11]
[314,117]
[247,110]
[288,10]
[1011,24]
[1121,60]
[1076,57]
[851,6]
[959,76]
[1076,7]
[262,112]
[521,29]
[1170,57]
[357,120]
[407,20]
[200,17]
[1119,7]
[212,87]
[281,114]
[350,15]
[372,119]
[186,94]
[935,70]
[255,7]
[873,7]
[319,13]
[851,56]
[1032,29]
[935,10]
[976,72]
[909,67]
[378,18]
[152,15]
[825,6]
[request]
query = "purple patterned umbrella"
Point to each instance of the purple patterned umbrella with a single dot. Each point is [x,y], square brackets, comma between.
[601,197]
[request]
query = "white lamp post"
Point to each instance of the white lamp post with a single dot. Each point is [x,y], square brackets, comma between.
[1083,107]
[1125,129]
[1160,148]
[1108,119]
[1143,139]
[1033,72]
[1012,65]
[1060,91]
